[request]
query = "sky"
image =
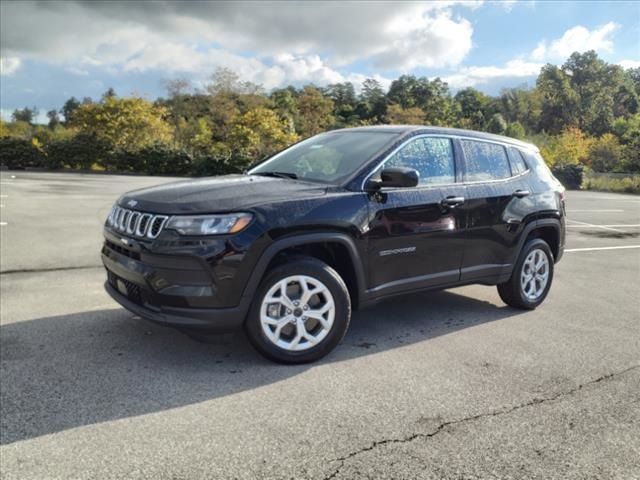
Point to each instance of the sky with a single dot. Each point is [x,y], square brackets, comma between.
[50,51]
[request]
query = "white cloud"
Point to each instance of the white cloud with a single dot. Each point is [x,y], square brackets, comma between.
[629,63]
[285,40]
[577,39]
[471,76]
[9,65]
[417,39]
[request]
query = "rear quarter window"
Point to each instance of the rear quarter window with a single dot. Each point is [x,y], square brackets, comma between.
[518,165]
[485,161]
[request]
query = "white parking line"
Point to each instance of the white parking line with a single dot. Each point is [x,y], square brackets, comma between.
[2,224]
[623,247]
[591,225]
[595,211]
[4,196]
[608,226]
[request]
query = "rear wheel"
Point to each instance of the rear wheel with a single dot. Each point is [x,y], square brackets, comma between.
[531,278]
[300,313]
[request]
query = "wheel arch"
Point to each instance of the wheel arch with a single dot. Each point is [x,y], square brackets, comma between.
[338,250]
[549,230]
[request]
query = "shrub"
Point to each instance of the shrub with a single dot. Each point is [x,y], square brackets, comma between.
[160,159]
[20,153]
[80,151]
[211,166]
[569,175]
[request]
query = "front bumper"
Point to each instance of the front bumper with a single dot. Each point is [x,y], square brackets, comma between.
[177,291]
[218,320]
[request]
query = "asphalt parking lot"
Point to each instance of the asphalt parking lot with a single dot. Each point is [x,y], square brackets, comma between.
[451,385]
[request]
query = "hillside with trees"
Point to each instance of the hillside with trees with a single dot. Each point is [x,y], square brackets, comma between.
[582,114]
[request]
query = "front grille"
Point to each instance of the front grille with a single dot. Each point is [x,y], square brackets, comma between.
[120,250]
[136,224]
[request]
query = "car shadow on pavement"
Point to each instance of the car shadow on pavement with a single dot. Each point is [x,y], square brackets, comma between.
[69,371]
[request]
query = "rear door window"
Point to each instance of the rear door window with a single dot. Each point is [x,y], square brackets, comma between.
[485,161]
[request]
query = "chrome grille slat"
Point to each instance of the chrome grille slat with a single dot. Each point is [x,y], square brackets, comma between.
[143,224]
[135,223]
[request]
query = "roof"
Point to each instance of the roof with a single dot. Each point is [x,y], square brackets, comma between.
[413,129]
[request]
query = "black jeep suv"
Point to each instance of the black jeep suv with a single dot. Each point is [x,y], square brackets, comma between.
[333,223]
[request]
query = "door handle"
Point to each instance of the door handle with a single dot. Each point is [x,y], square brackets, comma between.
[521,193]
[452,202]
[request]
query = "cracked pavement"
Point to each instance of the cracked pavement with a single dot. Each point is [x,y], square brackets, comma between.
[441,385]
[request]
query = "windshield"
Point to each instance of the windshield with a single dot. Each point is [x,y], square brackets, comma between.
[328,158]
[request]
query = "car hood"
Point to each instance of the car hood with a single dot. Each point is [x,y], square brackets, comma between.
[218,194]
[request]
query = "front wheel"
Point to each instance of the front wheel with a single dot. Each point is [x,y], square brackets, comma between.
[300,313]
[531,278]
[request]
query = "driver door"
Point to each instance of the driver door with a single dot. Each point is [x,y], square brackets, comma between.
[416,234]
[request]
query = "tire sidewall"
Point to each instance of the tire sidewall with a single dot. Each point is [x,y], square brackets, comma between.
[535,244]
[330,278]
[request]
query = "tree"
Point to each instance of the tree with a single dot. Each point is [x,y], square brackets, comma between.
[405,116]
[515,130]
[176,87]
[344,100]
[54,118]
[260,133]
[373,101]
[560,102]
[25,114]
[603,90]
[314,112]
[402,91]
[69,107]
[497,124]
[605,153]
[571,147]
[126,123]
[285,104]
[110,93]
[225,80]
[471,109]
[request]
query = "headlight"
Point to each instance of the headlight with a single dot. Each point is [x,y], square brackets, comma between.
[209,224]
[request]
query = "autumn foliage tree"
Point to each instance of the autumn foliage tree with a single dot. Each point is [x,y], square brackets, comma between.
[129,124]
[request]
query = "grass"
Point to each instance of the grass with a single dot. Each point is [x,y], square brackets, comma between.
[619,184]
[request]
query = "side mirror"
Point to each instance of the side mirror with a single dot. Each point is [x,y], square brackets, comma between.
[395,177]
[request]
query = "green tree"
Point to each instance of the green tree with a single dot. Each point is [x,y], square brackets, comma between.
[605,153]
[25,114]
[110,93]
[571,147]
[560,102]
[259,133]
[372,103]
[314,112]
[472,105]
[225,80]
[515,130]
[126,123]
[54,118]
[398,115]
[344,100]
[497,124]
[69,107]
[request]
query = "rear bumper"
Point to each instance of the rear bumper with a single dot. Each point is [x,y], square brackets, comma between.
[218,320]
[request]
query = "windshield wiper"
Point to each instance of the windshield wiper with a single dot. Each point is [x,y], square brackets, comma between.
[277,174]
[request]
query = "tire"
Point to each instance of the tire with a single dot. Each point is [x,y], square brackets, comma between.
[519,293]
[275,327]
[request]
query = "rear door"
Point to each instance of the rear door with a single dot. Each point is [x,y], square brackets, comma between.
[497,203]
[415,234]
